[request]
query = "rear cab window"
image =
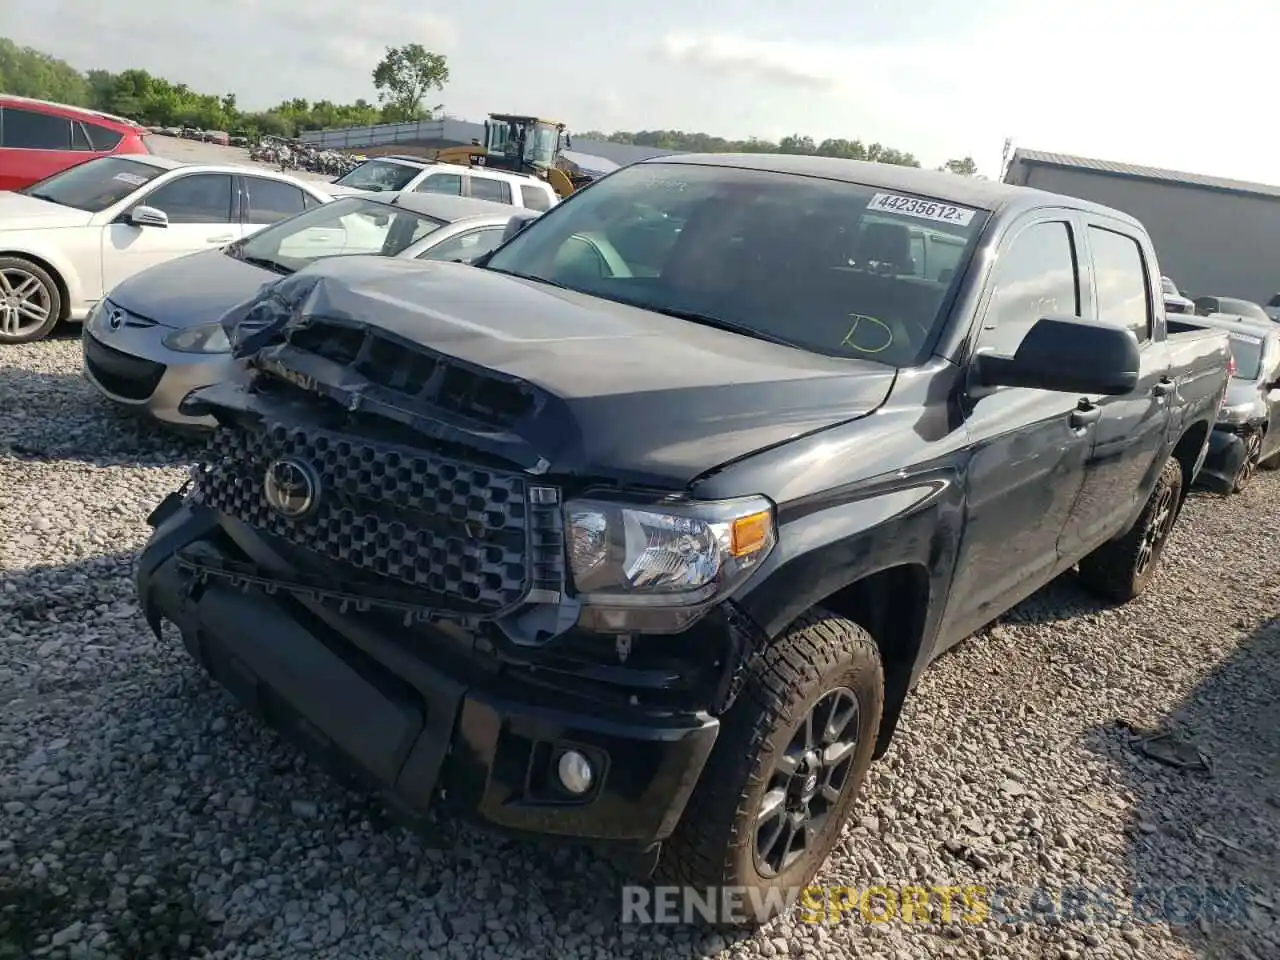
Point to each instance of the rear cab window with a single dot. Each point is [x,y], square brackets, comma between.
[819,264]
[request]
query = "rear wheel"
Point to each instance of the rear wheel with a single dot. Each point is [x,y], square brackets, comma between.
[789,761]
[1123,568]
[30,304]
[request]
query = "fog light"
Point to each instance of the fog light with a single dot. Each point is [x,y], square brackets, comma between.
[575,772]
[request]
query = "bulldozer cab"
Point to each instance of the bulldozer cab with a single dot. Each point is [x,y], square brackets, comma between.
[522,144]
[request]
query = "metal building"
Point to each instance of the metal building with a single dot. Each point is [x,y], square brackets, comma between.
[1214,237]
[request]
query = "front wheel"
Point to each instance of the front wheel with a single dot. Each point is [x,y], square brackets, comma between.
[791,756]
[1123,568]
[1252,459]
[30,302]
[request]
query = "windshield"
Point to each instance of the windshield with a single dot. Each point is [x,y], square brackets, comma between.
[771,255]
[1242,308]
[541,146]
[95,184]
[379,175]
[1247,352]
[351,225]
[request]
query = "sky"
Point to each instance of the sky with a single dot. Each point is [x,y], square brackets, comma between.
[1175,84]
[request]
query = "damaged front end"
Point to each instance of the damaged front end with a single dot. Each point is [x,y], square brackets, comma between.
[378,530]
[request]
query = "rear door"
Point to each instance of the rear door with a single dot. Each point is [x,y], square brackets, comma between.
[33,146]
[202,216]
[1130,440]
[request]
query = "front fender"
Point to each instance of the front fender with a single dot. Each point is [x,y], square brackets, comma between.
[38,246]
[824,547]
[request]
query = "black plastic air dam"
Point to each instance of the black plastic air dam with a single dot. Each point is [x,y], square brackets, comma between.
[356,700]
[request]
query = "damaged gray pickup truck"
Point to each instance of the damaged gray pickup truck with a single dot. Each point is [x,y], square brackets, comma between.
[641,531]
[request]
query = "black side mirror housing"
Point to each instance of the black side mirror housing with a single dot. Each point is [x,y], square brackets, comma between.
[514,226]
[1069,355]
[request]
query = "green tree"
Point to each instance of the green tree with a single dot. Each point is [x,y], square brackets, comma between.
[404,76]
[966,167]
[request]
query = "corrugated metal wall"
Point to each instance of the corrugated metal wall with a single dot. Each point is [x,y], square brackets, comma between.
[1210,242]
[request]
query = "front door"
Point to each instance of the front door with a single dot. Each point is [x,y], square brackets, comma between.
[1028,452]
[199,207]
[1131,437]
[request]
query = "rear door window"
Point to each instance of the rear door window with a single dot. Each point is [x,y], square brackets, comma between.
[29,130]
[1120,276]
[485,188]
[271,201]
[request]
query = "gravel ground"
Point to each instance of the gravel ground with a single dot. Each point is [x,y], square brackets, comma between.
[142,814]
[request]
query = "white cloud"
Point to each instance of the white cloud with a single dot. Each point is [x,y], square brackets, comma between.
[771,61]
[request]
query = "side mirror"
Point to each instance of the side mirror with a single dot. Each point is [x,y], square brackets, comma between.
[1068,355]
[514,226]
[144,216]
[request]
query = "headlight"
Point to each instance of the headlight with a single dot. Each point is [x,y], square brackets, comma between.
[93,319]
[1240,413]
[682,555]
[206,338]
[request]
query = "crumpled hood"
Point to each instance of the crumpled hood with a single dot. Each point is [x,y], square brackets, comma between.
[191,290]
[618,390]
[21,212]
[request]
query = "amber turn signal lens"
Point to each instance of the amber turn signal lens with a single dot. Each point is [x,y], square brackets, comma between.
[750,533]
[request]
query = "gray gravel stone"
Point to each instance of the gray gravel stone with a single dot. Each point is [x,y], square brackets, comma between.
[142,814]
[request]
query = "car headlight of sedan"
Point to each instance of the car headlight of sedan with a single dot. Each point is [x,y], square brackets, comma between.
[629,559]
[206,338]
[1239,413]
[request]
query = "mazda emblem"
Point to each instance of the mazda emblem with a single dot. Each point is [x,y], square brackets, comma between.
[291,488]
[116,319]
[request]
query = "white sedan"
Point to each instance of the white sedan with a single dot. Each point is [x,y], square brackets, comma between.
[67,240]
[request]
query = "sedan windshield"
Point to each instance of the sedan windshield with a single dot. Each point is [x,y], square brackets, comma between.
[828,266]
[95,184]
[379,175]
[351,225]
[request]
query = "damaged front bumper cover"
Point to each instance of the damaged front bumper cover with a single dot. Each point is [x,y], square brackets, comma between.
[1222,463]
[357,698]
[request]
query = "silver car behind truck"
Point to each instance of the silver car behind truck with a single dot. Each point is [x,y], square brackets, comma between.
[158,336]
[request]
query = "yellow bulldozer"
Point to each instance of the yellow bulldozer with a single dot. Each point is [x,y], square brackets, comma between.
[521,144]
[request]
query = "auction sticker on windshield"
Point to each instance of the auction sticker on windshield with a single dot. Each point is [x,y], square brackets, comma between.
[130,178]
[924,209]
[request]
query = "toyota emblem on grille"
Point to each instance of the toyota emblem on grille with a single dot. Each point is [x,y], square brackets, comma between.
[115,319]
[291,488]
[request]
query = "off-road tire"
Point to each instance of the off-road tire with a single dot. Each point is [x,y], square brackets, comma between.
[713,846]
[1114,570]
[52,294]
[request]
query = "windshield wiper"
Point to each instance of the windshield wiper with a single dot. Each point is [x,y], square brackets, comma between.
[529,276]
[708,320]
[268,264]
[47,199]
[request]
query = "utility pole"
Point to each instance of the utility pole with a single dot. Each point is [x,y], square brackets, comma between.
[1005,154]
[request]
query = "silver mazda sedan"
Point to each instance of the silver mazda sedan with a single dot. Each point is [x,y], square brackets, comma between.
[157,336]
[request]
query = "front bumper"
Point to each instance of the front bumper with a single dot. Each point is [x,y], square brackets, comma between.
[1225,456]
[136,370]
[361,700]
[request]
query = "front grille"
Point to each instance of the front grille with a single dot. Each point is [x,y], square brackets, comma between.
[133,378]
[463,537]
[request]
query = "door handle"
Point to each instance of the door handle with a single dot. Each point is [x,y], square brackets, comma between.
[1164,387]
[1085,414]
[221,238]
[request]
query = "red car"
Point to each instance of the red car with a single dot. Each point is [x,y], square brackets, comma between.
[39,139]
